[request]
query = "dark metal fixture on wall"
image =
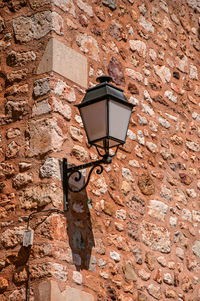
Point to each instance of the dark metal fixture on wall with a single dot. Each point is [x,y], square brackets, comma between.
[105,113]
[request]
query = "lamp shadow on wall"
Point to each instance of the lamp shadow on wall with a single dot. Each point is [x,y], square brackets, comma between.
[79,227]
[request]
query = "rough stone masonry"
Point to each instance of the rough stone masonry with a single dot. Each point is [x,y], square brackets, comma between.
[134,233]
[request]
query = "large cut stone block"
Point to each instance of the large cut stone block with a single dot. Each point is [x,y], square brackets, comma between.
[50,291]
[44,135]
[64,61]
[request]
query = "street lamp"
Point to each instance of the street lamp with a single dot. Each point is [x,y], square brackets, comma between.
[105,113]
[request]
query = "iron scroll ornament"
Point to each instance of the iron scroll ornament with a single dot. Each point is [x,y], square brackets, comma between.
[68,172]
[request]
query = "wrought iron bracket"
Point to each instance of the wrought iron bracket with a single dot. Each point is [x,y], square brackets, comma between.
[69,171]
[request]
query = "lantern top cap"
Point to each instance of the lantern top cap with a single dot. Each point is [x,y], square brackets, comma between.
[103,79]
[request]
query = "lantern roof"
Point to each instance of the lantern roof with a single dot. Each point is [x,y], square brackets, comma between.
[104,90]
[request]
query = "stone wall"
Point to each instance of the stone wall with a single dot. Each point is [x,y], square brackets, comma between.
[134,233]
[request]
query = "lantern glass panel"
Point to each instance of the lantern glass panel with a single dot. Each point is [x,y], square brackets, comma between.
[119,116]
[94,118]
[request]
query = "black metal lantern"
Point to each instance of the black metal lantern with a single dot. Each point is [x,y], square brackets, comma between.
[106,113]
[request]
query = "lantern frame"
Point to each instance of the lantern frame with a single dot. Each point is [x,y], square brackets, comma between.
[109,93]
